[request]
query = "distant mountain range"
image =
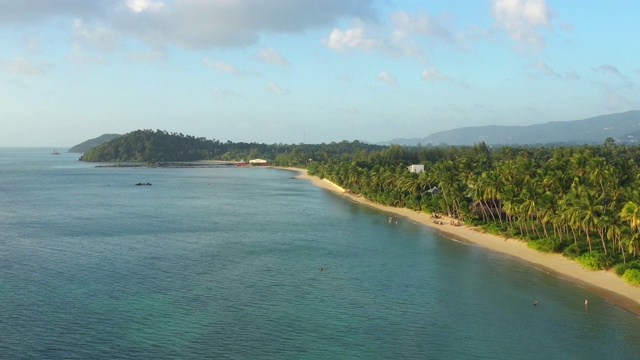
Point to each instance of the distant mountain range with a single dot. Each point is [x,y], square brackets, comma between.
[624,128]
[84,146]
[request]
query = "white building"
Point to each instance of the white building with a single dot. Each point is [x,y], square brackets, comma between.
[416,168]
[258,162]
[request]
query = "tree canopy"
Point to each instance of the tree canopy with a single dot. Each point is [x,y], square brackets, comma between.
[162,146]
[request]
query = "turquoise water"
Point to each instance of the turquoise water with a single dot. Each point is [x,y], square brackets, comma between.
[224,263]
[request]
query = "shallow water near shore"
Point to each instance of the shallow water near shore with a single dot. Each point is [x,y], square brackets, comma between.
[225,263]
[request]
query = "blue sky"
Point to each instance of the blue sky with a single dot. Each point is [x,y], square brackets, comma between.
[313,71]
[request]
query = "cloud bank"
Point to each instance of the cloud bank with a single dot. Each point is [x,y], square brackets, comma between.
[192,24]
[521,21]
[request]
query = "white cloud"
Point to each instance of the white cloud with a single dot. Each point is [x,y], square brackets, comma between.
[422,24]
[402,41]
[222,66]
[21,66]
[223,23]
[226,94]
[271,56]
[138,6]
[355,38]
[152,55]
[347,78]
[388,78]
[609,70]
[351,39]
[543,68]
[86,59]
[349,110]
[521,20]
[31,44]
[571,75]
[101,38]
[79,55]
[31,11]
[432,74]
[193,24]
[277,89]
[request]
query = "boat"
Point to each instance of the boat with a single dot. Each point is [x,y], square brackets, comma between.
[54,152]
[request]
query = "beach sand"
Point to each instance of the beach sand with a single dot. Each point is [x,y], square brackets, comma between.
[604,283]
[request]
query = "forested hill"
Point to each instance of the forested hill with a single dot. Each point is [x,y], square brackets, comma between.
[86,145]
[151,146]
[622,127]
[162,146]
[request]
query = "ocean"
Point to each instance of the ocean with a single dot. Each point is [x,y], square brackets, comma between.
[251,263]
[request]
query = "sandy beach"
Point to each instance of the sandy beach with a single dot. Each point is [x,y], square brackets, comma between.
[604,283]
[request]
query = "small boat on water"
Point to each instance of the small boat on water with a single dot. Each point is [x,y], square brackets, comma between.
[55,152]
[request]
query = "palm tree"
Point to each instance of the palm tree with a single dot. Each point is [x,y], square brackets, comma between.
[510,202]
[375,178]
[570,213]
[530,204]
[547,211]
[493,188]
[589,210]
[475,191]
[443,174]
[597,169]
[631,212]
[614,233]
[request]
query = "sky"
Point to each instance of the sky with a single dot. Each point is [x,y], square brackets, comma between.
[309,71]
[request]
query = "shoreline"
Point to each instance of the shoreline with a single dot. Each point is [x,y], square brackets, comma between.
[603,283]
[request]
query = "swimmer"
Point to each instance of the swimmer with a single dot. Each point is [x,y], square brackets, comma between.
[535,302]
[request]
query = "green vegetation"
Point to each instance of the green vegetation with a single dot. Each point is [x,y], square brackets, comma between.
[86,145]
[621,268]
[161,146]
[548,245]
[632,276]
[582,201]
[594,260]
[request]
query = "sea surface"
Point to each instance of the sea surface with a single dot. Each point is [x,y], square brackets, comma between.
[225,263]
